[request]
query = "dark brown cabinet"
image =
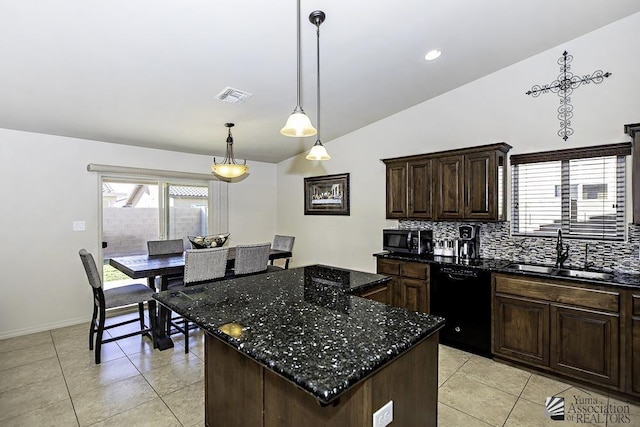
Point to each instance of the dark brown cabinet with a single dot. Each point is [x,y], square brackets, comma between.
[585,344]
[521,329]
[381,293]
[419,189]
[397,190]
[465,184]
[409,286]
[633,130]
[635,344]
[449,187]
[558,326]
[409,189]
[481,185]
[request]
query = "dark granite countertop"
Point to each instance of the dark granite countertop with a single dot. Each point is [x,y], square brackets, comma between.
[305,325]
[617,280]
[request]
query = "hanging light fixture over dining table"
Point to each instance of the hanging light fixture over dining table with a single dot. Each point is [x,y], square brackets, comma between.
[229,168]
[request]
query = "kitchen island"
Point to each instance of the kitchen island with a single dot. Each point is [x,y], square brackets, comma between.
[296,347]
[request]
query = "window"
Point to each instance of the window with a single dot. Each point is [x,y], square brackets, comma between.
[138,205]
[580,191]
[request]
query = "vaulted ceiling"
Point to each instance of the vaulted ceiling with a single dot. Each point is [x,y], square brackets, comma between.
[147,72]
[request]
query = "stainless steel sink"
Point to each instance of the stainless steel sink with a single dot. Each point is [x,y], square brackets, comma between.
[562,272]
[532,268]
[581,274]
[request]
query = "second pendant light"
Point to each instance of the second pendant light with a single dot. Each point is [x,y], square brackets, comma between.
[318,152]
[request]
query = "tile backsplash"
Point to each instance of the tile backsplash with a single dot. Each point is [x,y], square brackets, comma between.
[496,242]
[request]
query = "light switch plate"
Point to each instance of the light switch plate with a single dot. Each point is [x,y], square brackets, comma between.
[78,225]
[383,416]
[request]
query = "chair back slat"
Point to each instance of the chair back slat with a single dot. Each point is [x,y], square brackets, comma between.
[201,265]
[251,258]
[165,247]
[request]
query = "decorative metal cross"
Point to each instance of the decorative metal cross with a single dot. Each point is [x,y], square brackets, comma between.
[564,86]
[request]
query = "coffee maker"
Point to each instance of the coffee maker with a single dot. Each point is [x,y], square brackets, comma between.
[469,242]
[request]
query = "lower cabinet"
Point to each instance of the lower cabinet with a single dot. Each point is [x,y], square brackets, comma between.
[558,326]
[409,286]
[585,344]
[635,344]
[380,293]
[521,329]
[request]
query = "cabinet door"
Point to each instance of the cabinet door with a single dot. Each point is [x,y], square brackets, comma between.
[378,293]
[449,187]
[635,344]
[420,189]
[414,295]
[585,344]
[521,329]
[397,190]
[635,355]
[480,186]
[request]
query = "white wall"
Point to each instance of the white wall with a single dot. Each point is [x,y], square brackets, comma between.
[46,186]
[492,109]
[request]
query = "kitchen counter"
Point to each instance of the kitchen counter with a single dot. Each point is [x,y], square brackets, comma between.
[618,280]
[304,325]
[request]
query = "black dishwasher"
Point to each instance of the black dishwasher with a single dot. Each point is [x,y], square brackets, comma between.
[462,295]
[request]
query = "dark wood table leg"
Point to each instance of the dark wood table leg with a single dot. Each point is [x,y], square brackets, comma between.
[162,341]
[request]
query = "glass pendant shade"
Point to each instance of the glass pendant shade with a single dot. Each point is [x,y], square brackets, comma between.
[298,125]
[229,168]
[318,152]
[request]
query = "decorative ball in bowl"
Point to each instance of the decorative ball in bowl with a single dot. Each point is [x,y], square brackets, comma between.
[211,241]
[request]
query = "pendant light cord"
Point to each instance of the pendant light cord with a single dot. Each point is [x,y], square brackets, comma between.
[299,54]
[318,73]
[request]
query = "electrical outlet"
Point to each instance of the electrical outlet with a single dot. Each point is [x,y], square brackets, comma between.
[78,226]
[383,416]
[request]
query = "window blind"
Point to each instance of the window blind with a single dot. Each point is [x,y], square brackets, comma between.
[584,196]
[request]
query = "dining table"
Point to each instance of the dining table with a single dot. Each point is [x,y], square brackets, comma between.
[166,266]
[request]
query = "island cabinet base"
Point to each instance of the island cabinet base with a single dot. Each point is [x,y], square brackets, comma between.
[239,392]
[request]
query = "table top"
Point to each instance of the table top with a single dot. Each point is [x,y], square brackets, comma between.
[305,324]
[139,266]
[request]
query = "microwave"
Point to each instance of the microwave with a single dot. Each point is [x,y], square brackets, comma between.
[408,241]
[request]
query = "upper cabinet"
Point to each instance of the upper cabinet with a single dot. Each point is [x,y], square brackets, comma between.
[465,184]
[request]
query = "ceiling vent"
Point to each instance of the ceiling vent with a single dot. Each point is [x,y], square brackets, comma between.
[233,96]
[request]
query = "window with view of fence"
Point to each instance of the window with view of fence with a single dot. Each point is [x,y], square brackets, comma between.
[580,191]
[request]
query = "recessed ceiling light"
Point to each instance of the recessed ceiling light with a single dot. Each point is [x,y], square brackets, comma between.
[433,54]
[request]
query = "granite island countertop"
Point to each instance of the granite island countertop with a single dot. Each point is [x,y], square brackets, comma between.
[305,325]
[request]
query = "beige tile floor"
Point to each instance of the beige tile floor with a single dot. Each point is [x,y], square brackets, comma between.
[49,379]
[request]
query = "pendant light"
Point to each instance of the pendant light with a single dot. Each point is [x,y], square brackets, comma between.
[318,152]
[229,168]
[298,123]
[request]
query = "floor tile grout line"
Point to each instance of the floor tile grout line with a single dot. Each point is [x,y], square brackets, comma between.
[66,384]
[518,399]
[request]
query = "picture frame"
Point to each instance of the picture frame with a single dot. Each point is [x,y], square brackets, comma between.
[327,195]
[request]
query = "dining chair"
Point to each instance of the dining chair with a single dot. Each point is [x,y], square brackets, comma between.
[166,247]
[200,266]
[104,300]
[251,259]
[283,243]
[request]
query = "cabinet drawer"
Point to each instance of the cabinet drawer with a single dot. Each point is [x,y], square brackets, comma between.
[415,270]
[559,293]
[636,305]
[386,266]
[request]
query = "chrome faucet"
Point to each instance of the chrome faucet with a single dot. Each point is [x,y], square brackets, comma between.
[562,252]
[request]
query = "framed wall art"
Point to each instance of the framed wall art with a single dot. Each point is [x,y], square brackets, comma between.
[327,195]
